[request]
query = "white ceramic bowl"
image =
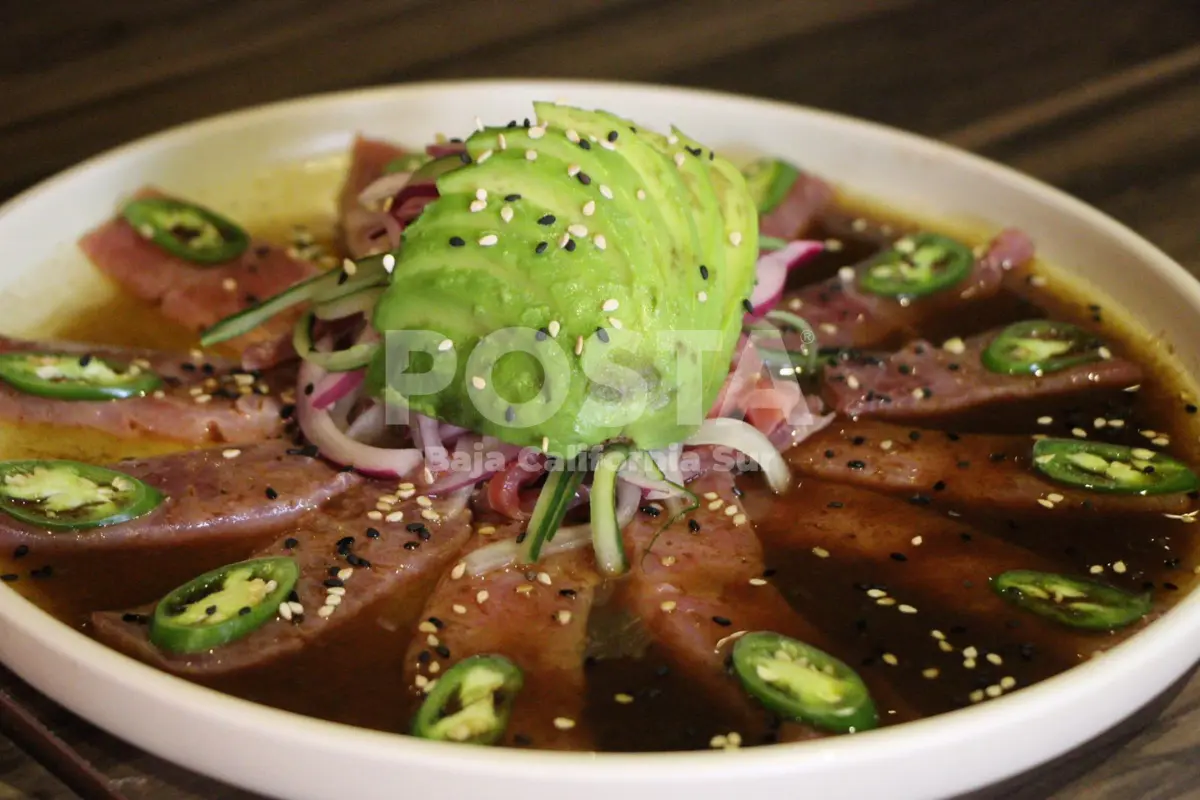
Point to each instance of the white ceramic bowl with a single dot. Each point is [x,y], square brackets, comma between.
[285,755]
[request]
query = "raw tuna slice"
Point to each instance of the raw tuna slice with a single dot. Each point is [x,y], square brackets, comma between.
[211,495]
[924,381]
[804,202]
[979,474]
[842,316]
[335,549]
[698,585]
[194,295]
[363,229]
[537,617]
[201,401]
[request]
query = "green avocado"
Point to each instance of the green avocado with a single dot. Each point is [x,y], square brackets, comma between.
[559,267]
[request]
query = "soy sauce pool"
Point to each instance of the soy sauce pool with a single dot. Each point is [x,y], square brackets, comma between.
[918,635]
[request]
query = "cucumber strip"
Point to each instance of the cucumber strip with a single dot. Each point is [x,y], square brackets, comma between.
[369,272]
[549,512]
[606,531]
[361,302]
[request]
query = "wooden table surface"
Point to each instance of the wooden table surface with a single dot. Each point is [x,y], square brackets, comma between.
[1098,97]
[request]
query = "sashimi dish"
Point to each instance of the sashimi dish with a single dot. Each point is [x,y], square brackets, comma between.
[581,436]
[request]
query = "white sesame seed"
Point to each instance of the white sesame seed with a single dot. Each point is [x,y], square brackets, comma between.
[828,327]
[735,238]
[955,345]
[531,155]
[544,578]
[993,691]
[147,231]
[739,520]
[968,663]
[1045,420]
[573,170]
[1099,422]
[976,696]
[994,658]
[481,194]
[876,593]
[395,516]
[336,590]
[615,323]
[611,304]
[375,515]
[1096,569]
[905,608]
[1055,497]
[622,698]
[600,242]
[545,444]
[488,240]
[325,611]
[578,345]
[1042,501]
[506,213]
[702,296]
[445,345]
[641,194]
[285,611]
[230,285]
[458,608]
[573,136]
[564,723]
[434,668]
[886,601]
[679,159]
[478,382]
[478,124]
[730,510]
[201,399]
[537,132]
[553,328]
[427,627]
[820,552]
[1079,433]
[1119,567]
[833,245]
[430,514]
[389,262]
[606,192]
[846,274]
[1160,441]
[296,608]
[1104,353]
[577,230]
[1008,682]
[333,600]
[758,582]
[563,617]
[232,452]
[564,240]
[432,640]
[715,504]
[918,393]
[890,659]
[481,596]
[419,681]
[345,573]
[916,541]
[502,141]
[589,208]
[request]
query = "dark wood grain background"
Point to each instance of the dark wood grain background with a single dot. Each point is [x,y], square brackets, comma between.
[1099,97]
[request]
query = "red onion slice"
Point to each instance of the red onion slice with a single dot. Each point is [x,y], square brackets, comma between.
[334,386]
[772,270]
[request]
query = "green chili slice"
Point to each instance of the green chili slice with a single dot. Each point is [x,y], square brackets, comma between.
[65,376]
[801,683]
[1075,602]
[69,495]
[917,265]
[769,181]
[1039,347]
[222,605]
[1112,468]
[471,702]
[187,230]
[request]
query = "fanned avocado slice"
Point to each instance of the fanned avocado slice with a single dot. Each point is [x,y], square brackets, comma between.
[592,233]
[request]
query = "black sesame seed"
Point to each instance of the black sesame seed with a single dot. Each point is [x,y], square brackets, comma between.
[724,622]
[584,178]
[1170,586]
[858,440]
[290,543]
[836,504]
[21,551]
[567,593]
[548,219]
[415,526]
[46,571]
[569,246]
[914,435]
[966,537]
[308,389]
[1171,563]
[856,464]
[746,304]
[208,369]
[411,545]
[541,247]
[511,198]
[437,623]
[342,278]
[287,411]
[703,272]
[693,526]
[138,619]
[542,335]
[9,577]
[996,458]
[333,583]
[510,414]
[585,144]
[457,241]
[357,561]
[612,136]
[602,335]
[187,366]
[372,533]
[920,500]
[964,464]
[521,537]
[829,454]
[345,542]
[243,611]
[272,494]
[442,651]
[904,369]
[464,158]
[898,557]
[939,486]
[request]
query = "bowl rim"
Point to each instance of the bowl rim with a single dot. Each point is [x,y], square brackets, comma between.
[1061,690]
